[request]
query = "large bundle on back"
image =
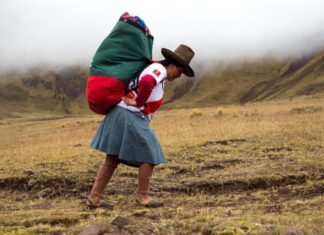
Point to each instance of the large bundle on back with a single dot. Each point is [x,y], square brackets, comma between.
[123,53]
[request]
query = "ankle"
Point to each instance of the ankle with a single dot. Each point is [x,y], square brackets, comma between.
[93,200]
[142,195]
[143,200]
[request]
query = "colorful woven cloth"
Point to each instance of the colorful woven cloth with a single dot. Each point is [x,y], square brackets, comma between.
[136,19]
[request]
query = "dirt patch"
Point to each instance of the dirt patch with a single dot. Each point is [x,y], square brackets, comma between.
[52,187]
[245,199]
[236,185]
[212,165]
[274,208]
[45,186]
[304,193]
[45,119]
[52,221]
[219,165]
[183,171]
[223,142]
[306,109]
[277,149]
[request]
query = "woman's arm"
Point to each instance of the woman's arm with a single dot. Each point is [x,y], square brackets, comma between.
[144,90]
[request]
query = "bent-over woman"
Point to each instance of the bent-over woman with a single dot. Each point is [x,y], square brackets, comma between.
[125,135]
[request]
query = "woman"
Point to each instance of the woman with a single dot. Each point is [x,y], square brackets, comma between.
[125,135]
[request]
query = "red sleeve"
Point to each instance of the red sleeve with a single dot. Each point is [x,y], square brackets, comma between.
[144,89]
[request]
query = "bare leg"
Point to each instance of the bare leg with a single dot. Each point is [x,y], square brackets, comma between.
[103,176]
[144,177]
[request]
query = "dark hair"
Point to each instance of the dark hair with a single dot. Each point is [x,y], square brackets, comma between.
[167,62]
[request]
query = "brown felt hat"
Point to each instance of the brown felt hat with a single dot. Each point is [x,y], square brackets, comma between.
[182,55]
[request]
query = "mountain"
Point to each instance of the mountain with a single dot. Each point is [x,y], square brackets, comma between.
[302,77]
[43,90]
[249,81]
[63,90]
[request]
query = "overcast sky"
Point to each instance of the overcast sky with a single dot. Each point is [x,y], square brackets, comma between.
[69,31]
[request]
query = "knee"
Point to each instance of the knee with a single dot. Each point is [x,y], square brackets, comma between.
[112,161]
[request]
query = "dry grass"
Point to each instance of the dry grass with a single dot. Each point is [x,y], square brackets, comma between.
[232,170]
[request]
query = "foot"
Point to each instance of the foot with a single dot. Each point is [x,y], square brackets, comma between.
[102,204]
[149,202]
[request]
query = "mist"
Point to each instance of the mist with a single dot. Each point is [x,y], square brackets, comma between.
[57,32]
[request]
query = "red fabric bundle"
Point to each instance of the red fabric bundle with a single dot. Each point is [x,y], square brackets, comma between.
[103,92]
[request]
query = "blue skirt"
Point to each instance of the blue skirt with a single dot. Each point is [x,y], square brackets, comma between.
[128,136]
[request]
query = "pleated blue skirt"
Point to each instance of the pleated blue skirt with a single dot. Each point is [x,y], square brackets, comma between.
[128,136]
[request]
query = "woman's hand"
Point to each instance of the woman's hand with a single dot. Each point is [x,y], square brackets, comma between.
[129,101]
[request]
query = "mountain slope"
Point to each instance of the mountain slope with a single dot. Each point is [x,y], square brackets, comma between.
[63,90]
[254,81]
[227,84]
[303,77]
[42,90]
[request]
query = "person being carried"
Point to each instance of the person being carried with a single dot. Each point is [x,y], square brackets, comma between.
[125,135]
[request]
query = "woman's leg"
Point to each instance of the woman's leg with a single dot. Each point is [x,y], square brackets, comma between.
[103,176]
[144,177]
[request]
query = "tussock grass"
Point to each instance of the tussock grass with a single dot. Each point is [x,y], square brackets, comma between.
[232,170]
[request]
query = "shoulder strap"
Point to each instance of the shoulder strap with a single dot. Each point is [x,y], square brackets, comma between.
[134,82]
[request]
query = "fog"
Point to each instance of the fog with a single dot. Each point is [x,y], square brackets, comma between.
[64,32]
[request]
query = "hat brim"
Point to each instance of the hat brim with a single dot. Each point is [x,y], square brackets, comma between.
[168,54]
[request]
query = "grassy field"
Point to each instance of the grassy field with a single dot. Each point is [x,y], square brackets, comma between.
[252,169]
